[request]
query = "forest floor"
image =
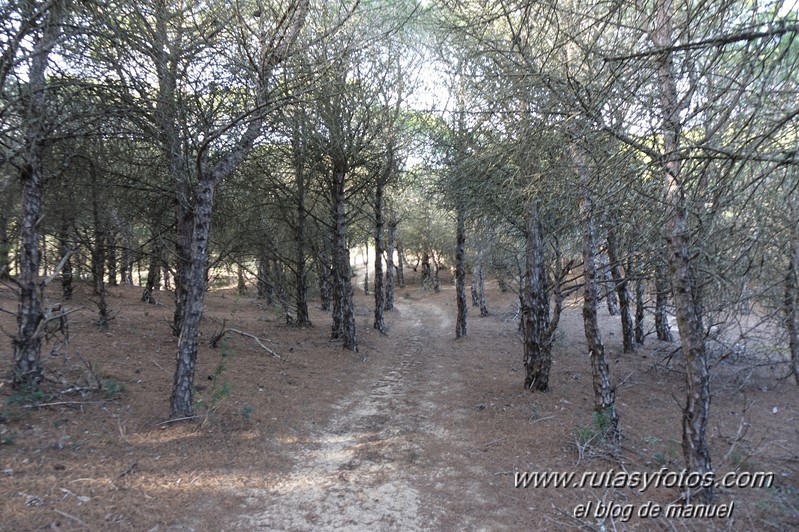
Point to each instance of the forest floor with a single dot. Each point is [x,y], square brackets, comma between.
[416,431]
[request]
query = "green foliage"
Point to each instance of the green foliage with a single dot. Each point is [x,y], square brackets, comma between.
[246,411]
[25,398]
[113,388]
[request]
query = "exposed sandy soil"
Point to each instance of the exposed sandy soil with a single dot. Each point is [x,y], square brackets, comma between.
[417,431]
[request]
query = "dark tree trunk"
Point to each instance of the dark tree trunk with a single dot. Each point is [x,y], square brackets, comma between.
[344,308]
[5,244]
[99,259]
[427,281]
[790,304]
[241,281]
[325,273]
[639,302]
[400,267]
[65,248]
[265,289]
[111,257]
[380,295]
[181,402]
[604,395]
[460,272]
[608,286]
[153,282]
[366,268]
[475,296]
[300,266]
[481,291]
[28,371]
[392,238]
[662,289]
[535,308]
[620,283]
[184,227]
[687,305]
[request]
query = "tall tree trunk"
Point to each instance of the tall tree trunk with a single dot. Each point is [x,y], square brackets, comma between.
[345,308]
[481,289]
[366,268]
[266,290]
[153,271]
[28,371]
[604,395]
[66,257]
[182,402]
[400,265]
[325,272]
[608,286]
[535,308]
[300,265]
[662,289]
[639,301]
[380,295]
[619,280]
[791,301]
[426,279]
[5,244]
[460,272]
[475,296]
[392,238]
[99,259]
[678,235]
[111,256]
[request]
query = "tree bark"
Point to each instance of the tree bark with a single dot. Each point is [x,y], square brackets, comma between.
[266,290]
[535,308]
[619,280]
[28,370]
[380,295]
[344,309]
[604,395]
[678,235]
[300,266]
[460,272]
[662,289]
[639,302]
[400,265]
[181,402]
[790,303]
[66,257]
[153,281]
[5,244]
[392,238]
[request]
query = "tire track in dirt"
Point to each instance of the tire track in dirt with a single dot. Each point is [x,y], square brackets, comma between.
[361,470]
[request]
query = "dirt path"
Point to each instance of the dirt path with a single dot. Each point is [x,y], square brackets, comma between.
[386,457]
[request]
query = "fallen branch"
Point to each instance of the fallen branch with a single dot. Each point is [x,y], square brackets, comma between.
[260,341]
[70,516]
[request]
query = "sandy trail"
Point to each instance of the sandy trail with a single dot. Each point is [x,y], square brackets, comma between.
[371,465]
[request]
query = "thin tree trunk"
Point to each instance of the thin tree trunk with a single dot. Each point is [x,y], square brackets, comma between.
[181,402]
[400,267]
[325,274]
[790,303]
[604,395]
[300,266]
[366,268]
[28,370]
[639,302]
[662,289]
[481,291]
[608,285]
[265,289]
[111,256]
[460,272]
[99,257]
[153,272]
[620,283]
[678,234]
[392,238]
[5,244]
[66,256]
[380,295]
[346,309]
[535,308]
[475,297]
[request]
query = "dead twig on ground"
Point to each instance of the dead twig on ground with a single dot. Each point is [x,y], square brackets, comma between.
[260,341]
